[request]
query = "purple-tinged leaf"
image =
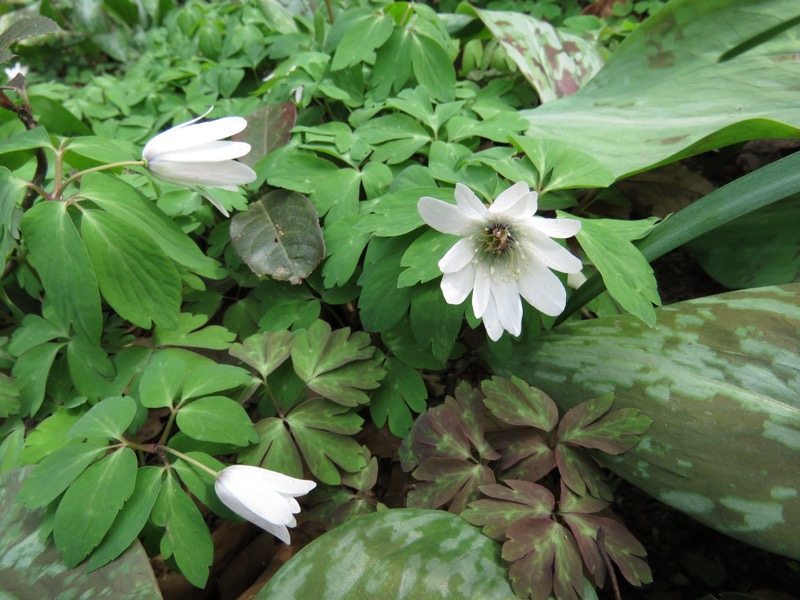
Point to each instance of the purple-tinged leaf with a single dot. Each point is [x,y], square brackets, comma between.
[588,425]
[546,558]
[469,406]
[448,480]
[435,434]
[571,507]
[509,503]
[580,472]
[517,403]
[525,454]
[269,127]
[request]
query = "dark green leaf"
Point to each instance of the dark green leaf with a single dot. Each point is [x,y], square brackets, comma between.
[275,450]
[265,352]
[56,472]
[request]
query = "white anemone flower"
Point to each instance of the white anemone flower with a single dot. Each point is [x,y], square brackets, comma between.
[504,252]
[192,154]
[17,69]
[263,497]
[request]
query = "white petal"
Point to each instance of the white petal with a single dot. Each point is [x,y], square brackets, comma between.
[542,289]
[445,217]
[469,203]
[517,201]
[551,253]
[279,531]
[457,286]
[218,174]
[576,280]
[187,135]
[491,321]
[509,306]
[458,257]
[284,484]
[482,290]
[557,228]
[208,152]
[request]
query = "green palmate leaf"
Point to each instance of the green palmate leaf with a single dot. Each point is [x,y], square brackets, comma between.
[321,429]
[57,252]
[12,192]
[498,127]
[187,538]
[265,352]
[201,483]
[131,519]
[92,502]
[213,378]
[448,480]
[509,503]
[9,396]
[626,272]
[619,543]
[217,419]
[561,167]
[13,443]
[296,171]
[279,235]
[124,201]
[546,559]
[434,322]
[591,426]
[108,418]
[517,403]
[400,553]
[56,472]
[362,36]
[555,63]
[275,450]
[395,137]
[269,127]
[190,335]
[42,573]
[21,29]
[335,364]
[392,64]
[433,67]
[401,391]
[30,372]
[336,196]
[90,367]
[396,213]
[136,277]
[49,435]
[26,140]
[708,368]
[686,101]
[766,246]
[377,310]
[161,380]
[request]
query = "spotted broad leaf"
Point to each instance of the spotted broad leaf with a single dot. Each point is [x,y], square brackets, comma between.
[336,364]
[507,504]
[452,481]
[687,101]
[279,235]
[546,559]
[719,377]
[590,425]
[517,403]
[591,530]
[399,553]
[555,63]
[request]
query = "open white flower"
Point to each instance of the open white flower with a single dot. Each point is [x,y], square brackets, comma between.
[505,252]
[13,71]
[192,154]
[263,497]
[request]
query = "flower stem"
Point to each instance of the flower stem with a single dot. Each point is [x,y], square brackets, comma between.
[188,459]
[74,177]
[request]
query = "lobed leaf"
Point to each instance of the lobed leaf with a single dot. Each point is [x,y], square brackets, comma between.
[517,403]
[107,419]
[448,480]
[217,419]
[590,425]
[275,450]
[265,352]
[509,503]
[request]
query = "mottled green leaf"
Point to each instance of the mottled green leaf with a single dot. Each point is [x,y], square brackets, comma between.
[719,378]
[386,553]
[664,94]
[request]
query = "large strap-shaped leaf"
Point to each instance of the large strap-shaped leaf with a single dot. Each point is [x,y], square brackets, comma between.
[720,377]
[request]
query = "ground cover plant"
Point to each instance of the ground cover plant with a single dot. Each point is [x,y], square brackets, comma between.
[378,273]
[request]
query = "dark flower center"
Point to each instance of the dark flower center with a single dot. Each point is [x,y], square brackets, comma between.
[498,239]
